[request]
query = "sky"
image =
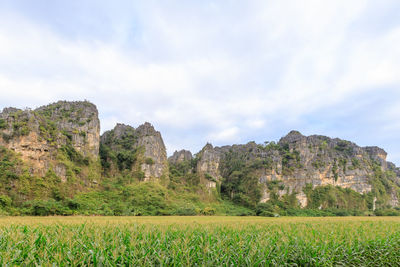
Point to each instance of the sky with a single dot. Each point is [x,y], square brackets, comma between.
[223,72]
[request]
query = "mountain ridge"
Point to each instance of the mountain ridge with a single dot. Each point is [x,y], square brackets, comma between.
[57,153]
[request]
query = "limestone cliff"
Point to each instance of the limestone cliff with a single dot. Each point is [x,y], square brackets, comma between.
[39,134]
[298,160]
[137,152]
[208,163]
[180,156]
[60,138]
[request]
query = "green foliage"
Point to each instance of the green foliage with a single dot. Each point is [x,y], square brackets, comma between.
[147,198]
[328,197]
[384,184]
[3,124]
[323,145]
[287,205]
[48,130]
[210,241]
[275,185]
[355,163]
[46,208]
[210,177]
[9,166]
[19,125]
[335,171]
[149,161]
[318,164]
[182,178]
[6,137]
[121,156]
[105,156]
[99,203]
[187,210]
[240,184]
[20,128]
[229,208]
[126,159]
[344,147]
[270,146]
[387,212]
[343,164]
[5,201]
[74,155]
[267,210]
[259,163]
[290,160]
[67,134]
[208,211]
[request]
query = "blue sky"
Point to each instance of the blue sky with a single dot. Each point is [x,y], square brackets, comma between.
[212,71]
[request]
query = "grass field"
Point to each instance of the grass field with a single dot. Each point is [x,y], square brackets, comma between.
[205,241]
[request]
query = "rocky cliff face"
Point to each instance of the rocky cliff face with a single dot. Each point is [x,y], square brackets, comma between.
[140,152]
[180,156]
[78,121]
[209,162]
[39,135]
[298,160]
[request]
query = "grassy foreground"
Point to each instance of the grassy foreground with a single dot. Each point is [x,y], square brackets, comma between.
[209,241]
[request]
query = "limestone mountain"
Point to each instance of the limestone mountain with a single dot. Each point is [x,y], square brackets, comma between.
[59,141]
[258,172]
[134,152]
[180,156]
[55,154]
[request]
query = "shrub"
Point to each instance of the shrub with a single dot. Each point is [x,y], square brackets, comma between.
[267,214]
[185,211]
[208,211]
[149,161]
[46,208]
[147,198]
[387,212]
[5,201]
[3,124]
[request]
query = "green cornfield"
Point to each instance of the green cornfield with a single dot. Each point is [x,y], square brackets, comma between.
[200,241]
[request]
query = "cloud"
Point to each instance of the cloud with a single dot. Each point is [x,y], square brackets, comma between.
[210,71]
[225,135]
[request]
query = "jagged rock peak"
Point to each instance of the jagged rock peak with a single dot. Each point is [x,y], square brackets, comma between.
[64,103]
[9,110]
[121,129]
[152,156]
[180,156]
[67,109]
[375,151]
[208,146]
[146,129]
[377,154]
[291,137]
[122,126]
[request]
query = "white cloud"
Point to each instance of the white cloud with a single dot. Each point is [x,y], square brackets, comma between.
[225,135]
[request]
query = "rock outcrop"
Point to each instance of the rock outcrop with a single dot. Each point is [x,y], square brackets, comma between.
[44,135]
[155,153]
[208,165]
[180,156]
[298,160]
[140,152]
